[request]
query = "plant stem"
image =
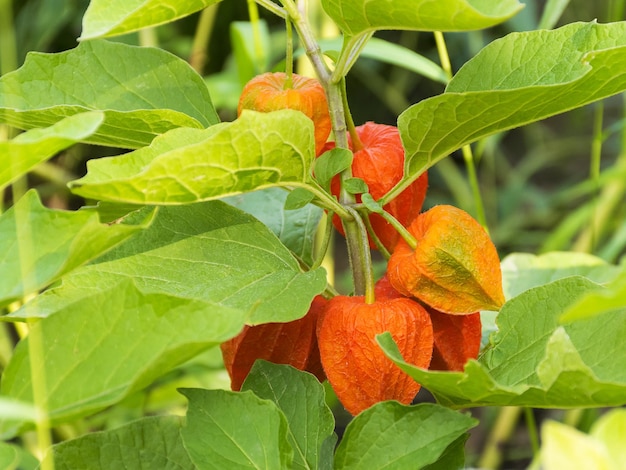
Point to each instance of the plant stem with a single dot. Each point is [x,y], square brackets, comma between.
[199,49]
[289,55]
[148,37]
[259,52]
[354,136]
[271,6]
[360,256]
[401,229]
[531,425]
[500,433]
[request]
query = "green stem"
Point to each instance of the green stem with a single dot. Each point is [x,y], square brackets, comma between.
[199,50]
[370,230]
[350,51]
[275,9]
[500,433]
[401,229]
[259,52]
[148,37]
[531,425]
[323,244]
[354,136]
[442,50]
[360,256]
[289,55]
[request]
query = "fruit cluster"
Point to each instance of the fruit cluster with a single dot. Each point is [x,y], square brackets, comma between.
[429,300]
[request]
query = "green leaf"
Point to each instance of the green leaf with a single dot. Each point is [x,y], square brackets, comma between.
[551,13]
[252,52]
[235,430]
[523,271]
[302,399]
[104,18]
[99,348]
[22,154]
[13,457]
[610,429]
[149,443]
[295,228]
[598,302]
[413,437]
[39,245]
[533,360]
[355,186]
[298,198]
[208,252]
[361,16]
[516,80]
[332,163]
[16,409]
[369,202]
[152,93]
[566,447]
[190,165]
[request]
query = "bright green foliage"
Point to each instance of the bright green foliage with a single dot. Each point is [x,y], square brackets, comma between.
[20,155]
[13,457]
[209,252]
[301,398]
[413,437]
[235,430]
[521,78]
[39,245]
[110,18]
[153,92]
[360,16]
[190,165]
[146,444]
[599,301]
[578,364]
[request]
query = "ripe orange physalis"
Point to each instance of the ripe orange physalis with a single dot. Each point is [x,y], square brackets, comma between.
[380,163]
[359,372]
[293,343]
[456,337]
[454,268]
[271,92]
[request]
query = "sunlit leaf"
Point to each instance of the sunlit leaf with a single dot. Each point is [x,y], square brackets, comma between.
[189,165]
[152,92]
[22,154]
[106,18]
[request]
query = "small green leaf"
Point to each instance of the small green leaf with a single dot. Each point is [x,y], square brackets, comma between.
[360,16]
[13,457]
[295,228]
[148,443]
[40,244]
[235,430]
[369,202]
[298,198]
[189,165]
[208,252]
[574,365]
[331,163]
[22,154]
[302,399]
[104,18]
[99,348]
[154,92]
[413,437]
[513,81]
[355,186]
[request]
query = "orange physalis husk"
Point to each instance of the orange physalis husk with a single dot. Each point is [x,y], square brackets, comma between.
[268,92]
[380,163]
[293,343]
[455,267]
[359,372]
[456,337]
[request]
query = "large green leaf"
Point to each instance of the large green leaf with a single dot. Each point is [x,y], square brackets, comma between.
[146,444]
[390,435]
[599,301]
[22,154]
[302,399]
[516,80]
[209,252]
[235,430]
[189,165]
[295,228]
[107,18]
[535,361]
[142,91]
[39,245]
[102,347]
[360,16]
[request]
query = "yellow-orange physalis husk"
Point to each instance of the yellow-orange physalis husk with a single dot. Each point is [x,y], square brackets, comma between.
[293,343]
[455,267]
[359,372]
[269,92]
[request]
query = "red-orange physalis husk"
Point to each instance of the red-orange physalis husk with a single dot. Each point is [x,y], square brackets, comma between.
[293,343]
[359,372]
[268,92]
[380,163]
[456,337]
[455,267]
